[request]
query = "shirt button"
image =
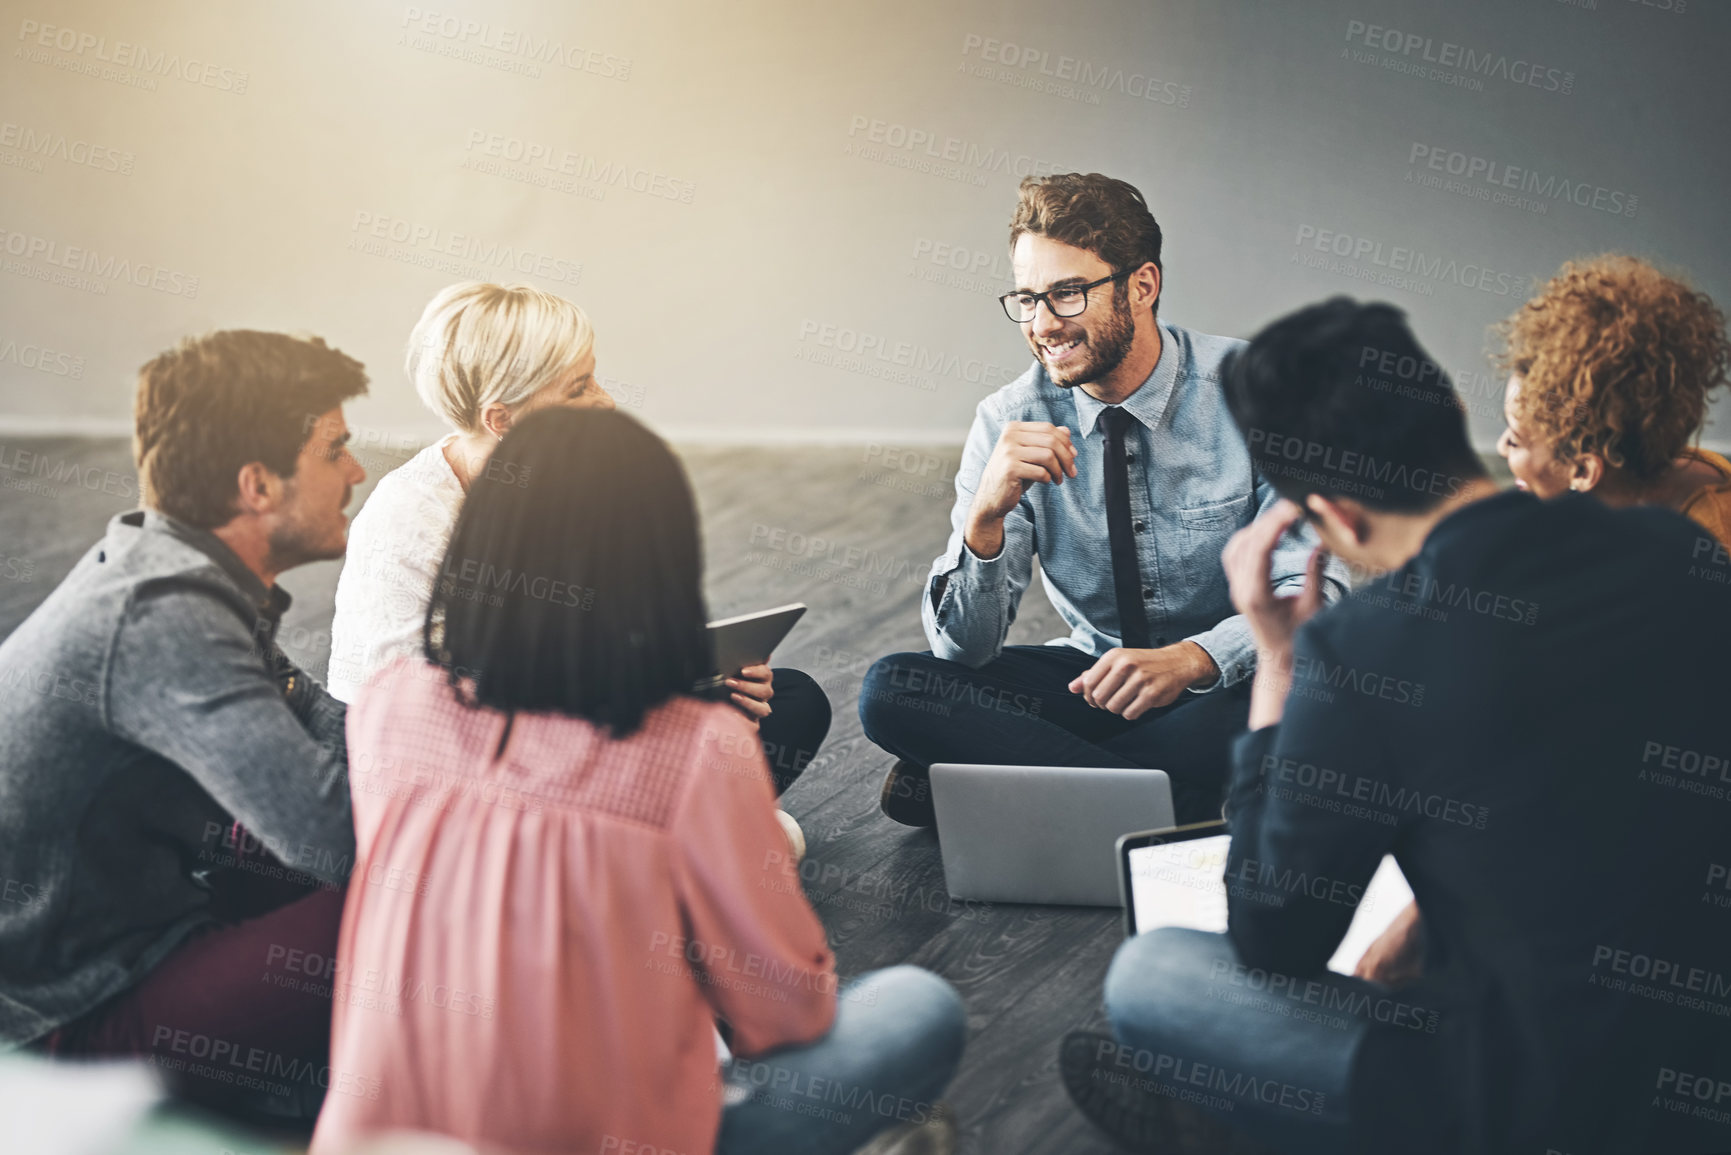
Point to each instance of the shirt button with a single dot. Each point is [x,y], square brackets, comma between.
[1128,456]
[1147,593]
[1140,526]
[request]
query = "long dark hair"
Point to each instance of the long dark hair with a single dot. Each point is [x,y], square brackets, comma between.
[573,581]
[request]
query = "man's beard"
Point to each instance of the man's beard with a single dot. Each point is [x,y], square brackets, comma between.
[1103,348]
[300,540]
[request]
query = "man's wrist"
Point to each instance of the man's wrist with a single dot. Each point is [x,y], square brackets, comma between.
[984,537]
[1205,670]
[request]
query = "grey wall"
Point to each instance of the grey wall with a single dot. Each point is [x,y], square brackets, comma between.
[816,179]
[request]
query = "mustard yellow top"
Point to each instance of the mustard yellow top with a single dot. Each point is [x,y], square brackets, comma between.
[1711,504]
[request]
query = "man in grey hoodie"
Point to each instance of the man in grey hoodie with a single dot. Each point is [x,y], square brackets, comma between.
[174,810]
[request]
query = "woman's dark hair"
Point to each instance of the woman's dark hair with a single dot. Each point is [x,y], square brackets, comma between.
[1339,398]
[573,581]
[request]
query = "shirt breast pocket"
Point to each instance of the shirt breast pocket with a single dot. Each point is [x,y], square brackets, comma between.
[1203,531]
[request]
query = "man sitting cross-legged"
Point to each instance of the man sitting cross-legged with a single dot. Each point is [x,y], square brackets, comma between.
[1113,459]
[173,784]
[1527,710]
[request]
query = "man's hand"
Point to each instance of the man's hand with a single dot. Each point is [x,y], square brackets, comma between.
[1397,956]
[752,688]
[1248,559]
[1027,452]
[1132,682]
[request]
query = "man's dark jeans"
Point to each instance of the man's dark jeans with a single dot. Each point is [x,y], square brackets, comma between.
[1196,1026]
[1017,710]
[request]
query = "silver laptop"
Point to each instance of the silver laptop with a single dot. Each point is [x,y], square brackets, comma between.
[1042,834]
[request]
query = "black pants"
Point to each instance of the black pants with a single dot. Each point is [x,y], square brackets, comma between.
[798,722]
[1017,710]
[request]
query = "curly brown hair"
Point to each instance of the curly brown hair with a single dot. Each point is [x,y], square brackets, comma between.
[1102,214]
[1618,359]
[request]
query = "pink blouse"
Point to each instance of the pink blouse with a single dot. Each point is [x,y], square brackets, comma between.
[535,947]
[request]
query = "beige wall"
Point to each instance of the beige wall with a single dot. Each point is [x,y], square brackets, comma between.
[747,195]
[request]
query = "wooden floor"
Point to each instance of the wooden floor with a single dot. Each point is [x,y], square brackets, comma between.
[1028,974]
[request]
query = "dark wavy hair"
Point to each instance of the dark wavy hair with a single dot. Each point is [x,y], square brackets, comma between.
[574,578]
[1339,398]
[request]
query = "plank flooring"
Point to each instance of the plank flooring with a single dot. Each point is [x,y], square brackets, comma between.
[836,529]
[1027,974]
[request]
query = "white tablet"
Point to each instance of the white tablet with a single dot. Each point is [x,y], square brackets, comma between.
[1176,877]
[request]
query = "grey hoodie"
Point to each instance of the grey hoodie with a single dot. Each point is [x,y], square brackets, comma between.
[144,709]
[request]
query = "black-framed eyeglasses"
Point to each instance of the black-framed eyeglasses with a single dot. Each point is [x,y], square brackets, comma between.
[1064,301]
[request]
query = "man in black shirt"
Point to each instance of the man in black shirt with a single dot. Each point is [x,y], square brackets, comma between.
[1526,708]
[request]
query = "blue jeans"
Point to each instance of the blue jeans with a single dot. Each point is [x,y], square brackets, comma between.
[1017,710]
[1263,1053]
[895,1045]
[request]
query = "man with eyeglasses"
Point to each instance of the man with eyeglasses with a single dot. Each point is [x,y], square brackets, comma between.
[1114,459]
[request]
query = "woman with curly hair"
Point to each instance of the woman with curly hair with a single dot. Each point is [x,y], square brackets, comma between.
[1610,368]
[1610,371]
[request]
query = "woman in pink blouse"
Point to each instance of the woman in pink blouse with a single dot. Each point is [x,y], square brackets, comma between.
[568,870]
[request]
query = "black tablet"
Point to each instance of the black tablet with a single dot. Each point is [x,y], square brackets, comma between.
[747,640]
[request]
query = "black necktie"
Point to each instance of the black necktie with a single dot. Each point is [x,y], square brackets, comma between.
[1126,570]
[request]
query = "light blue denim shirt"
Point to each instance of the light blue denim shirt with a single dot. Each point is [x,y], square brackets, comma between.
[1191,488]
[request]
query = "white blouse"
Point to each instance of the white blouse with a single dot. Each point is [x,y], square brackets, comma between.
[396,545]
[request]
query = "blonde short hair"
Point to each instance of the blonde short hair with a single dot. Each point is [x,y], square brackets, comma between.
[477,343]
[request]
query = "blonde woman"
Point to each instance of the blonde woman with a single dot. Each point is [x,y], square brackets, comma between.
[482,357]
